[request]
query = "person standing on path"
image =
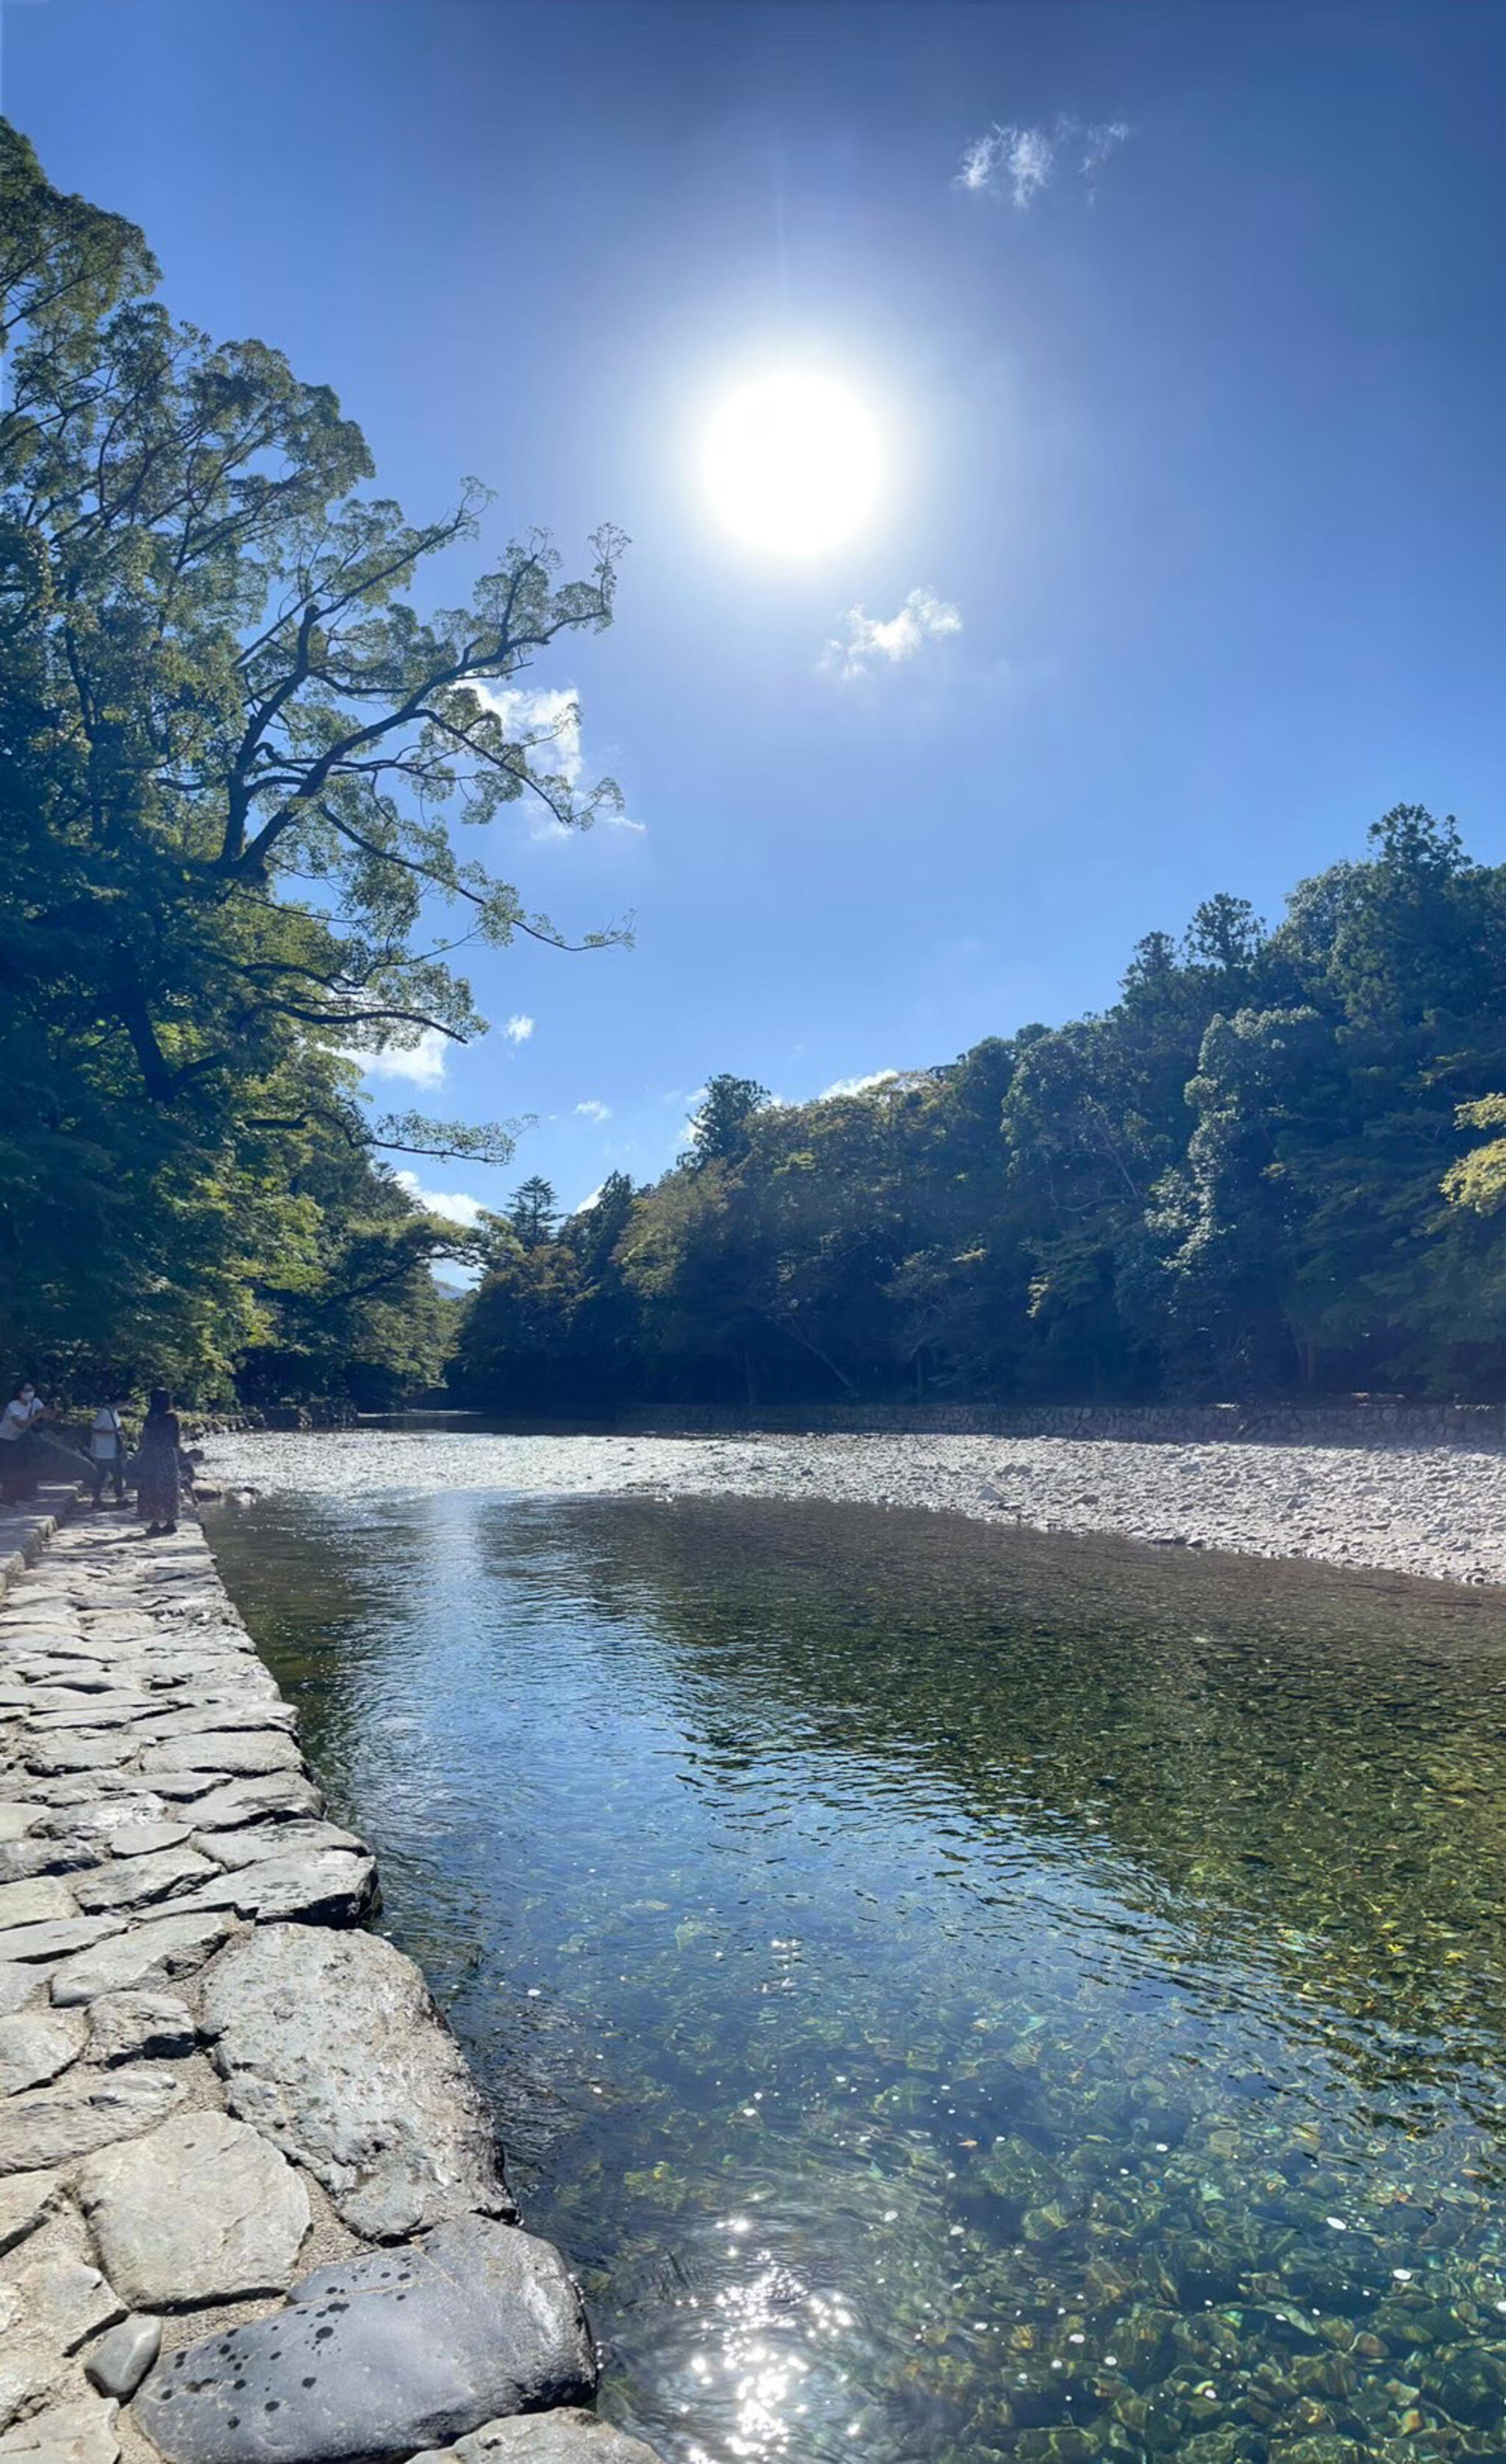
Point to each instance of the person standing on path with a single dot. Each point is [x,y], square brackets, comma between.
[107,1453]
[19,1443]
[157,1466]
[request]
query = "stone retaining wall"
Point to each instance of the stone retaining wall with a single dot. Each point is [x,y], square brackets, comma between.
[1479,1426]
[252,2206]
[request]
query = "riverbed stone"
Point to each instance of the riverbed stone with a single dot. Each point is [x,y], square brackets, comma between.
[148,1954]
[202,2210]
[380,2355]
[66,2433]
[247,1753]
[120,2360]
[165,1874]
[35,2045]
[139,2026]
[569,2437]
[52,2125]
[331,2044]
[26,2201]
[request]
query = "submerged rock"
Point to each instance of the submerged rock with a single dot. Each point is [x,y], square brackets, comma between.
[381,2355]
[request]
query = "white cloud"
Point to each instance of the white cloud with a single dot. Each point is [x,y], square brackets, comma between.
[421,1063]
[455,1205]
[859,1085]
[545,723]
[589,1200]
[519,1027]
[922,618]
[1024,161]
[594,1110]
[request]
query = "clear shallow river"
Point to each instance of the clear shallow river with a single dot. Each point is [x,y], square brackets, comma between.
[954,1995]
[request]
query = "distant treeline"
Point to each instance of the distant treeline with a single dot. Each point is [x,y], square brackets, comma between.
[1267,1170]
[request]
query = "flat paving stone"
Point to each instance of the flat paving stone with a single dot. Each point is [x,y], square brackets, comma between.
[233,1849]
[279,1794]
[58,1940]
[51,2125]
[62,2301]
[380,2355]
[34,1903]
[28,2369]
[67,2433]
[139,2027]
[18,1985]
[151,1953]
[26,2201]
[329,1887]
[17,1817]
[247,1755]
[571,2436]
[136,1881]
[35,2045]
[331,2044]
[60,1754]
[202,2210]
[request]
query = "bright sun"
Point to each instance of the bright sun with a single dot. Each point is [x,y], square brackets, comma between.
[791,463]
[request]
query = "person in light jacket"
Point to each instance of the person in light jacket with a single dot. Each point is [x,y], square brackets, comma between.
[107,1453]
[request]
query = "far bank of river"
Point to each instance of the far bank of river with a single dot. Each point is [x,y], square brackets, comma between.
[1438,1511]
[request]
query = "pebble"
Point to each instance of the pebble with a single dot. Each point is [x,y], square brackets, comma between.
[120,2360]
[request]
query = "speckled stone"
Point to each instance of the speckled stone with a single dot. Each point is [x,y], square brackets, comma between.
[382,2355]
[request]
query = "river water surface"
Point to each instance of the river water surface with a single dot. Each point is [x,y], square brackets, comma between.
[954,1995]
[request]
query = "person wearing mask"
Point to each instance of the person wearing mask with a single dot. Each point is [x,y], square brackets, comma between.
[107,1453]
[19,1440]
[157,1466]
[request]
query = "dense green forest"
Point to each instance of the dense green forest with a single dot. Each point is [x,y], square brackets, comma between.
[1260,1173]
[236,771]
[237,768]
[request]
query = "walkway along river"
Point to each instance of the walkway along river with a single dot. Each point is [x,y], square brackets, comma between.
[248,2191]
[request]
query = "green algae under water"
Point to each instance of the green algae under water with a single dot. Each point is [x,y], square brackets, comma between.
[954,1996]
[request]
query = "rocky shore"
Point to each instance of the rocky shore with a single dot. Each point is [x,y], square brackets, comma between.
[1433,1510]
[252,2206]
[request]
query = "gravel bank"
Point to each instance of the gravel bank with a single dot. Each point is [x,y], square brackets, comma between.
[1435,1510]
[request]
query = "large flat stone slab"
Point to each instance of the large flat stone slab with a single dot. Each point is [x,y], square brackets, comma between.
[56,1939]
[202,2210]
[36,1902]
[26,2201]
[164,1873]
[327,1887]
[281,1793]
[66,2433]
[247,1753]
[383,2354]
[62,2300]
[571,2436]
[35,2045]
[139,2027]
[331,2044]
[52,2125]
[148,1954]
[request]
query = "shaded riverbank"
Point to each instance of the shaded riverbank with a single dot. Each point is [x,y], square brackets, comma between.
[1437,1511]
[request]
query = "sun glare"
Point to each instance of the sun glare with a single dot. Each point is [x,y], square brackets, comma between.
[791,463]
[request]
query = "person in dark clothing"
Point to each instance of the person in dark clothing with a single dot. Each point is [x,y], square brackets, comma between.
[157,1466]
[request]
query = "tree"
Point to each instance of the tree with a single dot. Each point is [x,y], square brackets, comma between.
[533,1211]
[235,765]
[719,1133]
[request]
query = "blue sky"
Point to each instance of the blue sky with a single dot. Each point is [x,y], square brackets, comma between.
[1201,450]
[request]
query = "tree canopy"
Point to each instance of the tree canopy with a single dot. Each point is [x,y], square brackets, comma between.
[237,771]
[1261,1172]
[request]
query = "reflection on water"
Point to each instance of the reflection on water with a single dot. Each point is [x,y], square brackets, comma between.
[954,1996]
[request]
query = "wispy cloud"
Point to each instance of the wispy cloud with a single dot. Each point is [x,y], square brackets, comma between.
[519,1027]
[544,722]
[875,1079]
[873,639]
[421,1063]
[1020,162]
[594,1110]
[455,1205]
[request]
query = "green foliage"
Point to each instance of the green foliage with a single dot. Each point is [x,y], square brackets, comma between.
[237,768]
[1245,1178]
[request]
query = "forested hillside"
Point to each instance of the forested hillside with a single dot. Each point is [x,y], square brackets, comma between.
[1267,1170]
[233,760]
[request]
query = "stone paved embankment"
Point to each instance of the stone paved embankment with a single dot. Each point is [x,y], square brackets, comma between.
[252,2207]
